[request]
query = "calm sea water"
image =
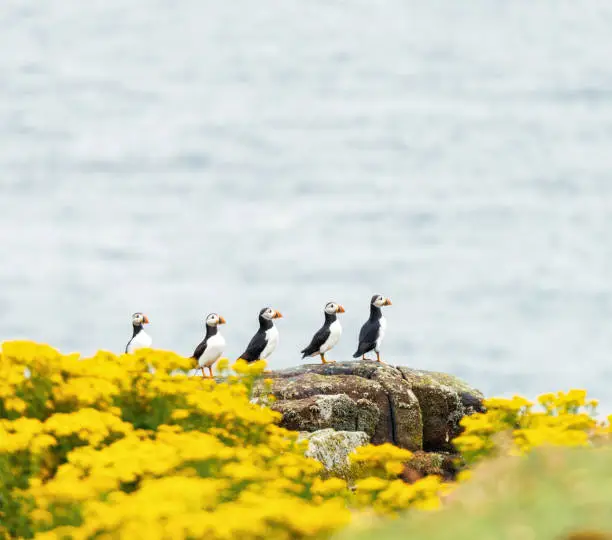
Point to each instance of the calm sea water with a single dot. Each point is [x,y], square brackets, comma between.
[182,158]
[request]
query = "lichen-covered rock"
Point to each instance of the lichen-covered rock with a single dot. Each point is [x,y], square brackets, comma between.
[371,398]
[336,411]
[406,429]
[410,408]
[332,449]
[443,400]
[471,398]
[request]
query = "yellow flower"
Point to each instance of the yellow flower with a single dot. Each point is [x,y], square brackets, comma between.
[223,364]
[40,515]
[15,404]
[328,487]
[42,442]
[371,484]
[394,467]
[180,414]
[464,476]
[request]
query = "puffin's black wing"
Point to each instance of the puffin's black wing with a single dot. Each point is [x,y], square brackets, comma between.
[367,337]
[255,347]
[128,344]
[200,349]
[318,339]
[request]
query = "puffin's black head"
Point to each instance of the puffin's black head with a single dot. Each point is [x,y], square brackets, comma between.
[268,314]
[379,301]
[138,319]
[213,319]
[332,308]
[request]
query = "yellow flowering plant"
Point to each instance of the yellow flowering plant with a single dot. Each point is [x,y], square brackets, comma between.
[516,425]
[131,446]
[380,488]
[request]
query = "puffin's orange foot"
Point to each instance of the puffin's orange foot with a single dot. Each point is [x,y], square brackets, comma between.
[324,361]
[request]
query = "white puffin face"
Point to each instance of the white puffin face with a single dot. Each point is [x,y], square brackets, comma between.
[332,307]
[214,319]
[268,313]
[138,319]
[380,301]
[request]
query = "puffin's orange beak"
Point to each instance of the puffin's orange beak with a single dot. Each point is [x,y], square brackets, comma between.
[340,309]
[221,320]
[277,315]
[388,302]
[145,319]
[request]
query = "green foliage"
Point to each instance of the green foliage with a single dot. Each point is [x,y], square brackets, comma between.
[546,495]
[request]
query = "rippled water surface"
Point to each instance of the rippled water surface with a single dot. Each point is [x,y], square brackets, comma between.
[182,158]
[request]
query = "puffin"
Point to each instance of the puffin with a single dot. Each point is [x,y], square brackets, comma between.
[211,347]
[327,336]
[140,339]
[265,340]
[373,330]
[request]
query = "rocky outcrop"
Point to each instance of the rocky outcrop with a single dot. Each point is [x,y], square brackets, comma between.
[410,408]
[332,448]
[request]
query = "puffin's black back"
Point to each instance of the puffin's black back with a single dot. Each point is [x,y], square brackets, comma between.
[258,341]
[370,330]
[320,336]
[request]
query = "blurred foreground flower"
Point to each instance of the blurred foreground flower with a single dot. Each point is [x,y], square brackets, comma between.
[107,447]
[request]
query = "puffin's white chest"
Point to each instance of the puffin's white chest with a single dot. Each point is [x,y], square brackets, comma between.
[141,340]
[271,342]
[215,346]
[335,331]
[381,332]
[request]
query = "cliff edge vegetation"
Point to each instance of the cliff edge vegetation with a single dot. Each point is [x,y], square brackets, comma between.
[130,446]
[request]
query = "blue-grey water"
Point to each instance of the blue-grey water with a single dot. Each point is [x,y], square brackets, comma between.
[182,158]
